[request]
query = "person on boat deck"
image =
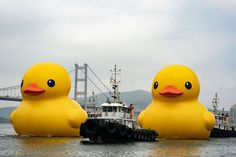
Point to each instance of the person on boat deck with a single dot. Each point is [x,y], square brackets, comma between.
[131,111]
[226,121]
[226,117]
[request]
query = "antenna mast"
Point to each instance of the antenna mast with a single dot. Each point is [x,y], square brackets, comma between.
[215,103]
[115,84]
[92,101]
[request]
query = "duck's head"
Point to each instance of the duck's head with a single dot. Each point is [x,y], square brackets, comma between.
[45,81]
[175,83]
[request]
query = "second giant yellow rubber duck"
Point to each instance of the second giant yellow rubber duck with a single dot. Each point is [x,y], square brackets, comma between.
[175,111]
[46,109]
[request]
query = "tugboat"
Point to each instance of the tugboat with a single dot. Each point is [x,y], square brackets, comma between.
[223,128]
[116,122]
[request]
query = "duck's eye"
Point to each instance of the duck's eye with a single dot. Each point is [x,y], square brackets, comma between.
[188,85]
[51,83]
[155,85]
[22,82]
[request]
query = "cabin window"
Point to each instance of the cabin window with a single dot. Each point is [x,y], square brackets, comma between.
[114,109]
[104,109]
[109,109]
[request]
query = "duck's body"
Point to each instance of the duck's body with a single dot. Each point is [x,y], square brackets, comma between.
[176,112]
[183,120]
[47,113]
[40,119]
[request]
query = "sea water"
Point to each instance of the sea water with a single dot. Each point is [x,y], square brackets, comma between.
[13,145]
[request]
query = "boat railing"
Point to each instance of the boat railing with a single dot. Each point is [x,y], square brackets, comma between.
[223,122]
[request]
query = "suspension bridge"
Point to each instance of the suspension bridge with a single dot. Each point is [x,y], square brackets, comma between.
[82,76]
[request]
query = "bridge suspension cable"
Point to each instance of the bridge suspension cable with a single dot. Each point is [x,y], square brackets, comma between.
[98,78]
[96,86]
[71,71]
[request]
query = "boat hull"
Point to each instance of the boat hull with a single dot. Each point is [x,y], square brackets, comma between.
[216,132]
[111,131]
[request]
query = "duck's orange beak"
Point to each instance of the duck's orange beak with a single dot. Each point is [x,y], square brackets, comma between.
[170,92]
[33,89]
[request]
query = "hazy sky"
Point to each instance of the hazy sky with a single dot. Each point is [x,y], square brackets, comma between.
[139,36]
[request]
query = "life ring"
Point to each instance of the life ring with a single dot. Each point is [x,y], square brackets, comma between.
[102,123]
[216,134]
[135,135]
[91,127]
[111,127]
[129,133]
[234,133]
[149,137]
[153,136]
[82,130]
[145,136]
[122,130]
[140,135]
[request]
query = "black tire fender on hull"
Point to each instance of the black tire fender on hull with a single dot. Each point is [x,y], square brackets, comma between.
[216,132]
[111,128]
[123,129]
[91,128]
[107,131]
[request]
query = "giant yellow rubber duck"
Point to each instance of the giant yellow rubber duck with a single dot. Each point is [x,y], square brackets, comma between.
[175,111]
[46,109]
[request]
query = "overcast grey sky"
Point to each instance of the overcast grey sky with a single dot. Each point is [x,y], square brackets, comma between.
[139,36]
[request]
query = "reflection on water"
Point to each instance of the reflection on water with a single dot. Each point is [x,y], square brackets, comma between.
[178,147]
[12,145]
[42,146]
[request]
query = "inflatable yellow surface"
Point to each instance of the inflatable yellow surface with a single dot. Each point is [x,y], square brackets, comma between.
[46,109]
[175,111]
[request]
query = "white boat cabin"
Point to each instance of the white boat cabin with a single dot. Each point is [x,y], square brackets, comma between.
[115,110]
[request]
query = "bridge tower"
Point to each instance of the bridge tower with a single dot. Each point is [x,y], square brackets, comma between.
[80,89]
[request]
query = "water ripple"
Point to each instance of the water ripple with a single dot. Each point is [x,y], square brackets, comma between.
[13,145]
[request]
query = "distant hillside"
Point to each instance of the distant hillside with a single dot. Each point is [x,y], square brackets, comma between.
[5,114]
[3,120]
[139,98]
[6,111]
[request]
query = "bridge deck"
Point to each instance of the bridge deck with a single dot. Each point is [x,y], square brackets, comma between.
[10,98]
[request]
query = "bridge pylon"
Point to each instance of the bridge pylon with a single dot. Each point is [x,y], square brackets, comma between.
[80,94]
